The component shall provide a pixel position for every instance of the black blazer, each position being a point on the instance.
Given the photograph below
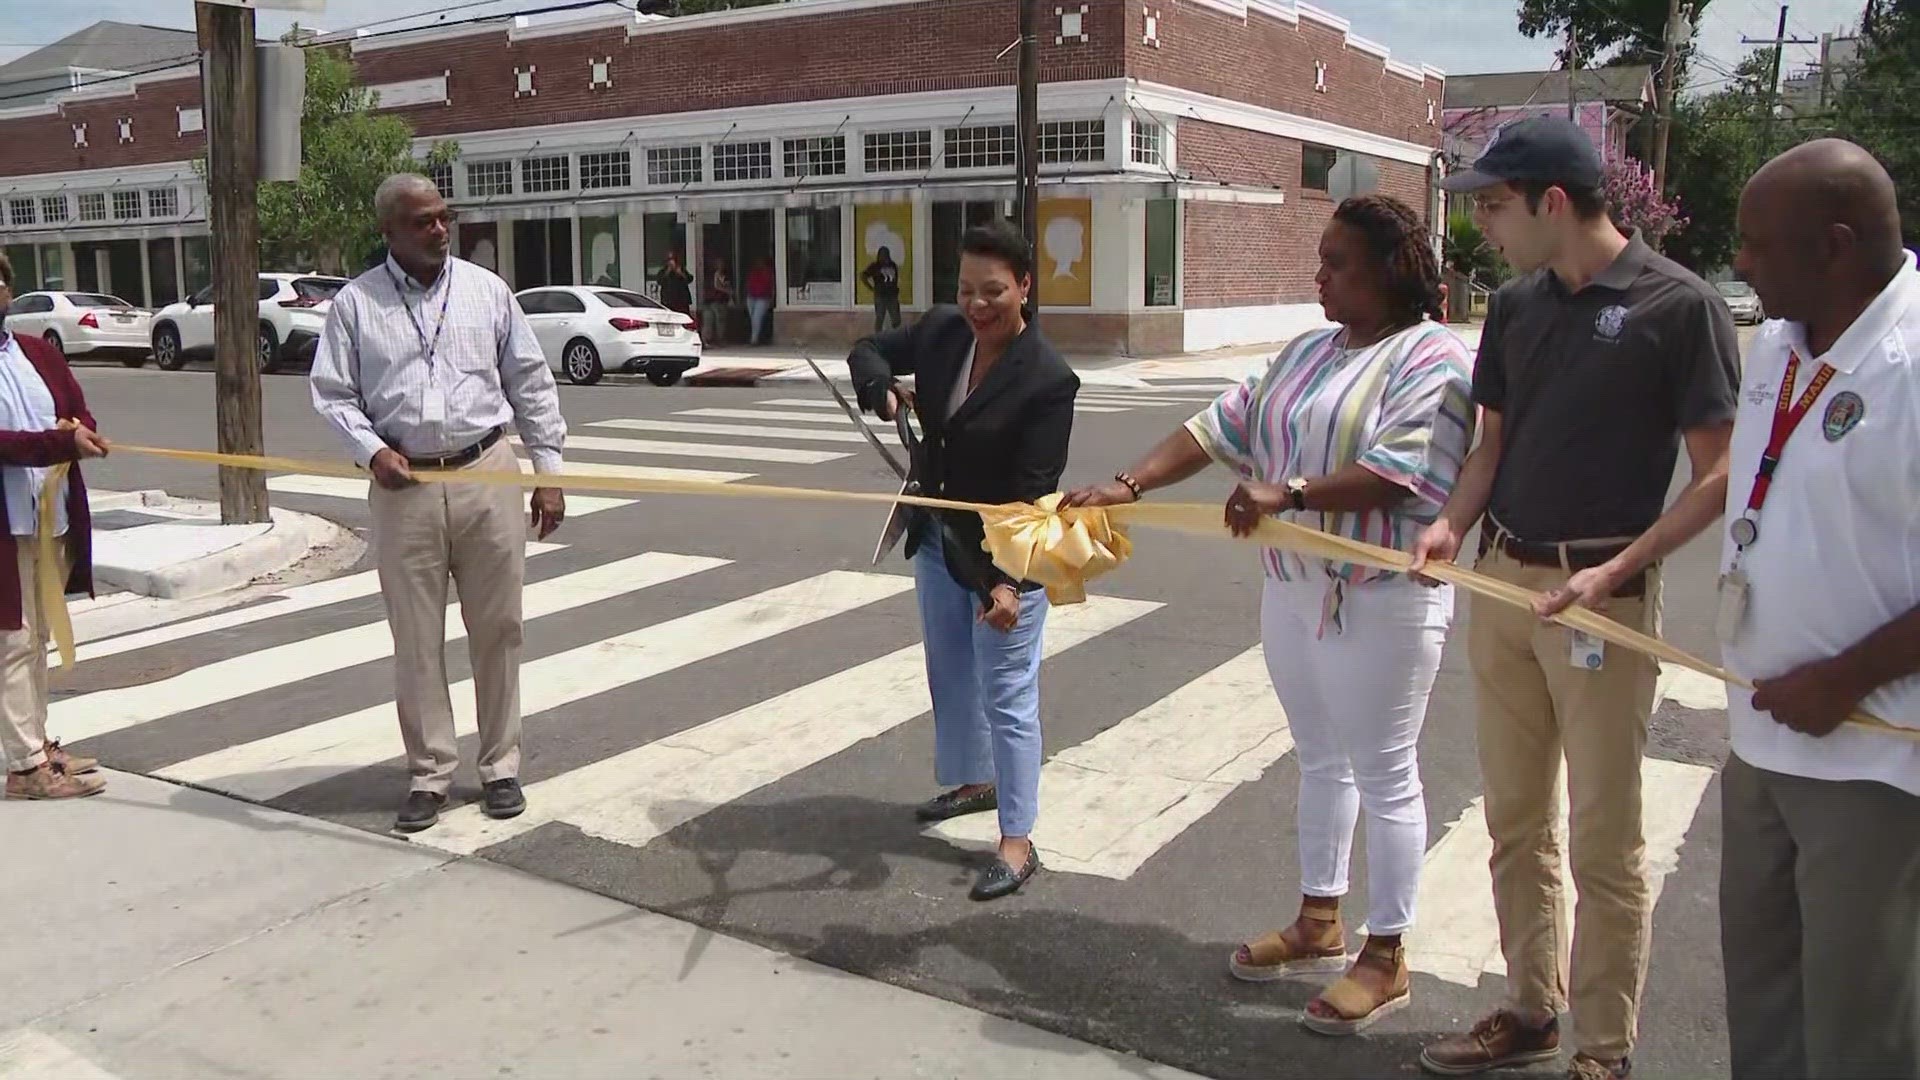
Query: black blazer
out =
(1006, 443)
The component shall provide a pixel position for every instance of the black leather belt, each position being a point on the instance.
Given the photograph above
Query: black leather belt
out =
(459, 458)
(1569, 556)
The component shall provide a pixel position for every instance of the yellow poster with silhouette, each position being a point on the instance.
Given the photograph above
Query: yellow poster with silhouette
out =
(889, 226)
(1065, 271)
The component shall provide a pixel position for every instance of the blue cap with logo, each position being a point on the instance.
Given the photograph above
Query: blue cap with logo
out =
(1548, 149)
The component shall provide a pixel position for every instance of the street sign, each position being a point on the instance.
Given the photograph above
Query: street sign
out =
(315, 6)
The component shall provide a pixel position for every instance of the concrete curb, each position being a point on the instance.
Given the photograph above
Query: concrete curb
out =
(260, 550)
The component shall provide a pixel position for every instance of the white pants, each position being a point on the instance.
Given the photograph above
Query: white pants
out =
(1355, 699)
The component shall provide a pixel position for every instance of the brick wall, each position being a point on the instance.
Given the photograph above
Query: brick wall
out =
(44, 143)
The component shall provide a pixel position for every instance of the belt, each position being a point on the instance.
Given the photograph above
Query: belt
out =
(457, 459)
(1574, 555)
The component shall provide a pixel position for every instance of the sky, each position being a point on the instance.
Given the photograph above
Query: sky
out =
(1458, 36)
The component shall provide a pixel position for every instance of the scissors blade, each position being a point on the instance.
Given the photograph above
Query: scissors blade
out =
(860, 422)
(896, 526)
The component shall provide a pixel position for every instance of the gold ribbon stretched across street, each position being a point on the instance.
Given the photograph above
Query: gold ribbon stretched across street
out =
(1029, 541)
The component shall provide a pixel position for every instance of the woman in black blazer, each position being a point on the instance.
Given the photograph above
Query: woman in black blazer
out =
(995, 403)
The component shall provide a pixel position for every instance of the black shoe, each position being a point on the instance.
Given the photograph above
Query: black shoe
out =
(503, 799)
(1000, 879)
(953, 804)
(420, 811)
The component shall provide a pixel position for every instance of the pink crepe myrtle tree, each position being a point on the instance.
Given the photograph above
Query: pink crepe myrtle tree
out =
(1637, 204)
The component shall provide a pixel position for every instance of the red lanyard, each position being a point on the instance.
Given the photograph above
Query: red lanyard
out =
(1785, 419)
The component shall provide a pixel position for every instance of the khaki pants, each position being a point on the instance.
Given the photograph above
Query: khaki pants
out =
(476, 535)
(1820, 926)
(23, 668)
(1535, 706)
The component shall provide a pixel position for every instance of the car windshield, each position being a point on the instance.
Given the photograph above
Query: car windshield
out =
(1735, 288)
(621, 298)
(94, 300)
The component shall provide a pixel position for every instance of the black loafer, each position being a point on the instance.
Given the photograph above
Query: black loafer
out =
(502, 799)
(420, 811)
(1000, 879)
(953, 804)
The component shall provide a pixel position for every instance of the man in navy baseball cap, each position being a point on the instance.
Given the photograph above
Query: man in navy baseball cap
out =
(1544, 149)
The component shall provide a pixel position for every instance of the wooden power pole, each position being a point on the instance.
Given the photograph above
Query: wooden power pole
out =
(1668, 77)
(1028, 132)
(228, 77)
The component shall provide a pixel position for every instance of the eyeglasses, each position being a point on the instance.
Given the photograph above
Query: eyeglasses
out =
(1484, 205)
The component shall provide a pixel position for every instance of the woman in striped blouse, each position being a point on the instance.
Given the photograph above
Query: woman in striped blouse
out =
(1360, 430)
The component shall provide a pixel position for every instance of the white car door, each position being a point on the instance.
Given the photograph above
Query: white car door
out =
(535, 305)
(196, 322)
(31, 315)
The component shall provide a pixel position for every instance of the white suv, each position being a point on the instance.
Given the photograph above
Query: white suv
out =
(293, 308)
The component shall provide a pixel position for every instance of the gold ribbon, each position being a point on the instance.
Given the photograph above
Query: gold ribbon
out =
(48, 579)
(1062, 550)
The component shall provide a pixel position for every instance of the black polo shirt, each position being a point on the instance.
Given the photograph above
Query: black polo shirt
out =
(1594, 389)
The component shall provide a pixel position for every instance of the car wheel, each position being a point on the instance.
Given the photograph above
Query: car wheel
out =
(166, 349)
(581, 361)
(268, 346)
(663, 378)
(53, 339)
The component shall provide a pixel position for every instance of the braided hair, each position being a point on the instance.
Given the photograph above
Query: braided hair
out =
(1397, 245)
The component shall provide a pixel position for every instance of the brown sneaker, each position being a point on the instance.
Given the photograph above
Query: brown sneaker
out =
(1500, 1041)
(1585, 1067)
(71, 764)
(48, 782)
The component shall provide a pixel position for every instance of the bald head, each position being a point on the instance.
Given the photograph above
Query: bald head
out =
(413, 217)
(1834, 182)
(1819, 230)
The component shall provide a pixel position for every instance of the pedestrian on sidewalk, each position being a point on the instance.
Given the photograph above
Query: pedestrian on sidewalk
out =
(760, 285)
(995, 401)
(43, 421)
(422, 364)
(1820, 595)
(1594, 366)
(1359, 430)
(882, 276)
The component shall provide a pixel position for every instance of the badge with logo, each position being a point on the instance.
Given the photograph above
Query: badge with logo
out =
(1843, 414)
(1612, 320)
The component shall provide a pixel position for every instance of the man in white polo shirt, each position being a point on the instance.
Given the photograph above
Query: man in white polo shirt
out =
(1820, 608)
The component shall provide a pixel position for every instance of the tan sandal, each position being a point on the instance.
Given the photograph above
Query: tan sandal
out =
(1356, 1006)
(1272, 957)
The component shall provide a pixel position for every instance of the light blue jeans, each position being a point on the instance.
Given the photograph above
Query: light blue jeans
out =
(986, 690)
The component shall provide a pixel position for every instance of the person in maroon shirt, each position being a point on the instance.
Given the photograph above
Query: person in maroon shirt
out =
(37, 767)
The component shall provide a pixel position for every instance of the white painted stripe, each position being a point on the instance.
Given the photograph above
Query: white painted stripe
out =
(633, 797)
(1084, 403)
(271, 767)
(1143, 402)
(341, 487)
(744, 431)
(1112, 802)
(776, 415)
(103, 711)
(26, 1054)
(1458, 937)
(651, 472)
(1687, 687)
(805, 403)
(727, 451)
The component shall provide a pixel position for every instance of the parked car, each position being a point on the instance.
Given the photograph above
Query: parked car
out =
(83, 324)
(588, 330)
(1743, 302)
(293, 308)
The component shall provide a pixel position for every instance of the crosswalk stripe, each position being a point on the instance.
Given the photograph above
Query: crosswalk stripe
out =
(652, 472)
(98, 713)
(1458, 938)
(1107, 402)
(745, 431)
(273, 766)
(1687, 687)
(728, 451)
(777, 415)
(633, 797)
(1110, 803)
(341, 487)
(804, 403)
(286, 602)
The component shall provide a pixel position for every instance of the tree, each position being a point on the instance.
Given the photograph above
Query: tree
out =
(1617, 32)
(1714, 148)
(324, 220)
(1878, 105)
(1637, 204)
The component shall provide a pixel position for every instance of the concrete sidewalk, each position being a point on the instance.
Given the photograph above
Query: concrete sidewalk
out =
(180, 935)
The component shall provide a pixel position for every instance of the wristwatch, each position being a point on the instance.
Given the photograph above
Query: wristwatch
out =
(1297, 492)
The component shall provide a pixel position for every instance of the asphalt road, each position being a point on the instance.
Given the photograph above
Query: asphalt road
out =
(733, 730)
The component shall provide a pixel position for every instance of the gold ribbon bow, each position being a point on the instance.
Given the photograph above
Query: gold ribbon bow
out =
(1062, 550)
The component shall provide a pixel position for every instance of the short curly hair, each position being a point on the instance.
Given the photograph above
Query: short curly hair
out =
(1397, 245)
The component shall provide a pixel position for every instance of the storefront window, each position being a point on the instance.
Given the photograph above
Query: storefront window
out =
(814, 271)
(197, 263)
(26, 269)
(164, 285)
(950, 222)
(661, 235)
(600, 251)
(1163, 252)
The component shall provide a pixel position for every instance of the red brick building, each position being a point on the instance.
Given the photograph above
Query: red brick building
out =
(1191, 151)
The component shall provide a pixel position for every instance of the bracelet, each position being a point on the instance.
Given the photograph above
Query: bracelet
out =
(1132, 484)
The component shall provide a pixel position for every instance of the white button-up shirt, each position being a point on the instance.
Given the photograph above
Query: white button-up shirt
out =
(1838, 551)
(391, 345)
(26, 405)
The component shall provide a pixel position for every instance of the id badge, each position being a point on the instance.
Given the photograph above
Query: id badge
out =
(433, 407)
(1589, 653)
(1734, 591)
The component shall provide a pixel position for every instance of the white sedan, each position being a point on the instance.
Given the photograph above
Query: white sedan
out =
(80, 323)
(588, 330)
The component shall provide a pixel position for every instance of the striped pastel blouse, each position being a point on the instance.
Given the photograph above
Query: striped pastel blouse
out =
(1401, 407)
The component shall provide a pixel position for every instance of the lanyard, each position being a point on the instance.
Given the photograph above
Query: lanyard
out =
(1787, 414)
(428, 348)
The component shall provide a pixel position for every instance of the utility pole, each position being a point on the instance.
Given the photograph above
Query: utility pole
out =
(1678, 31)
(1028, 132)
(1573, 71)
(1779, 41)
(228, 73)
